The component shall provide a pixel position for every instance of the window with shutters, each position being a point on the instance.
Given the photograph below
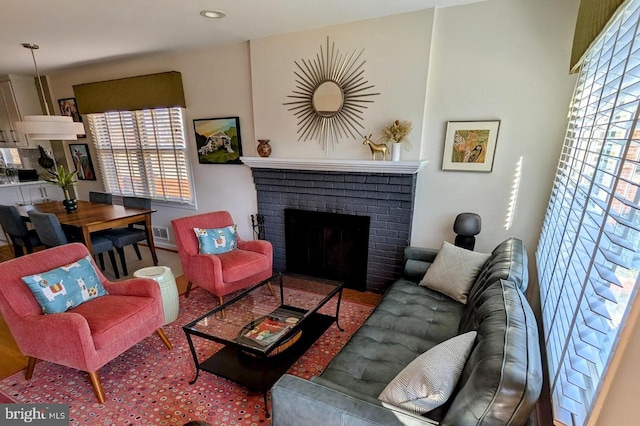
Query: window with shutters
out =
(588, 253)
(144, 154)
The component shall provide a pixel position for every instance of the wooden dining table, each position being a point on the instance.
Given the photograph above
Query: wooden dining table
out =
(92, 217)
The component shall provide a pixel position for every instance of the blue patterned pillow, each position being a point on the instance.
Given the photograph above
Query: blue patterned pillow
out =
(218, 240)
(65, 287)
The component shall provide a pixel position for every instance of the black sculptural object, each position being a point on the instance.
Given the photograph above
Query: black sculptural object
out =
(466, 227)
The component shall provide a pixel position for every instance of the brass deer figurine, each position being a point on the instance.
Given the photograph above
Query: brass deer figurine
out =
(375, 147)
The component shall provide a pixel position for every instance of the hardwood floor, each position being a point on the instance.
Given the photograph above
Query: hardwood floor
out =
(12, 358)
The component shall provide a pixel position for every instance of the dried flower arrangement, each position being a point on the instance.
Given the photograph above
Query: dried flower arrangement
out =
(397, 132)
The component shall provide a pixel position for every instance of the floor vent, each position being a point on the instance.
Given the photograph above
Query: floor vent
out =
(160, 232)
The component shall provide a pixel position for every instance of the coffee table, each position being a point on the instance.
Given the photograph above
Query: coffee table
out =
(254, 362)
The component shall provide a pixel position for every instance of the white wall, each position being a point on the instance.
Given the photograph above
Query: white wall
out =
(396, 51)
(211, 90)
(506, 60)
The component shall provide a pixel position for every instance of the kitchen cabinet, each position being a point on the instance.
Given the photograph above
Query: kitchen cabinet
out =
(18, 98)
(10, 194)
(29, 193)
(8, 137)
(35, 193)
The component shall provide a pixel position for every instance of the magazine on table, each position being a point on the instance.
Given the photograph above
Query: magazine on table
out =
(267, 331)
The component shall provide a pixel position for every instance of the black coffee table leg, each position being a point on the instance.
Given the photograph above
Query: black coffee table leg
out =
(265, 389)
(266, 407)
(338, 310)
(195, 358)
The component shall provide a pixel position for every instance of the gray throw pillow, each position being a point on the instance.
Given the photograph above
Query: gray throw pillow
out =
(453, 271)
(429, 380)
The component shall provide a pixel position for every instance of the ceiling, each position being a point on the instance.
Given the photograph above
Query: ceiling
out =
(76, 32)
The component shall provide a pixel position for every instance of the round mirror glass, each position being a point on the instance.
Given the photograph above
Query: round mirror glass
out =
(328, 99)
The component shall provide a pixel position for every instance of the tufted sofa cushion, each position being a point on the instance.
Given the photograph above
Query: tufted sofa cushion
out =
(409, 321)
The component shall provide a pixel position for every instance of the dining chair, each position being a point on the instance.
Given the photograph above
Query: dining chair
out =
(87, 335)
(131, 235)
(51, 234)
(13, 225)
(100, 197)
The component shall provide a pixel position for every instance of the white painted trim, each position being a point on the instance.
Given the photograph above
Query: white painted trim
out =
(332, 165)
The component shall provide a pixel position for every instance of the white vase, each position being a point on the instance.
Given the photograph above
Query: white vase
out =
(395, 151)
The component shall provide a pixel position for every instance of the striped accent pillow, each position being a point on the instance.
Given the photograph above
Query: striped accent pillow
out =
(429, 380)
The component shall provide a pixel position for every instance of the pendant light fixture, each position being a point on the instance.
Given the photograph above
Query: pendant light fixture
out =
(47, 127)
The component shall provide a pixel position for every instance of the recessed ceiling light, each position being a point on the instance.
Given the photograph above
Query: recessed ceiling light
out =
(213, 14)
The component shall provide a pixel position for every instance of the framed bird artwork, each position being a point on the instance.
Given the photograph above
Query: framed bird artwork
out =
(470, 145)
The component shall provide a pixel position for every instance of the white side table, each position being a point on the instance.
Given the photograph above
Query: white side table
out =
(168, 288)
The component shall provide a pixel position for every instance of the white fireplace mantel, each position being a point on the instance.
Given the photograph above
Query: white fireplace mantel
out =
(334, 165)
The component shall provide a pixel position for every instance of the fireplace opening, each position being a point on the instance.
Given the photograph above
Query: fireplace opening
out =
(328, 245)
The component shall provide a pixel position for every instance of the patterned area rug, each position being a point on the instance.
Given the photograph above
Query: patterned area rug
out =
(149, 385)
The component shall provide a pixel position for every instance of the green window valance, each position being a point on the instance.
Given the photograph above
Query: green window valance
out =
(593, 15)
(129, 94)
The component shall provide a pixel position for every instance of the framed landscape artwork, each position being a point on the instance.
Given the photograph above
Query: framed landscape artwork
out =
(69, 108)
(218, 140)
(470, 145)
(82, 161)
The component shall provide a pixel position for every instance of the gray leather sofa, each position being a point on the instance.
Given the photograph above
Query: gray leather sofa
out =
(501, 380)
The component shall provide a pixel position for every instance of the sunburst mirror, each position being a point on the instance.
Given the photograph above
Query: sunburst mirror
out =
(331, 95)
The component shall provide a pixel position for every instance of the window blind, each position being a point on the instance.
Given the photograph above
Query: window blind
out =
(143, 153)
(587, 256)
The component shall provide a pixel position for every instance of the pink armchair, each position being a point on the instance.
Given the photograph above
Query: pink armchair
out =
(224, 273)
(87, 336)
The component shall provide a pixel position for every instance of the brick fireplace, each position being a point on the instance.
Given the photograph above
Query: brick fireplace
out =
(382, 191)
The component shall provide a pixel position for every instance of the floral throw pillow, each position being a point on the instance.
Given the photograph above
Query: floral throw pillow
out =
(217, 240)
(65, 287)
